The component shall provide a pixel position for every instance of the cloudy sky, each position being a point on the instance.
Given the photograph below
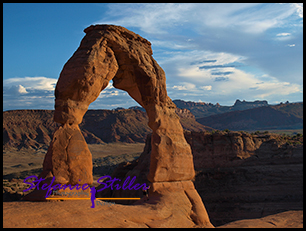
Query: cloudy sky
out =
(211, 52)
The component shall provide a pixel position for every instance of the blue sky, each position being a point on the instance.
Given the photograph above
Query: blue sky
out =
(210, 52)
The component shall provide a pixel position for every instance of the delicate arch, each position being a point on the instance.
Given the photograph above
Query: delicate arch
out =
(112, 52)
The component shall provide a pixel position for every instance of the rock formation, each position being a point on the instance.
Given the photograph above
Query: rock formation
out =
(68, 157)
(112, 52)
(107, 53)
(239, 175)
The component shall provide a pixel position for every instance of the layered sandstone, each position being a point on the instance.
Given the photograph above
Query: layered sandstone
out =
(239, 175)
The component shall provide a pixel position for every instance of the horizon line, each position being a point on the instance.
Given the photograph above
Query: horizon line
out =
(113, 109)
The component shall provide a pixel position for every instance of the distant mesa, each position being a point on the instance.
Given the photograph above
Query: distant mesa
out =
(34, 128)
(250, 104)
(282, 116)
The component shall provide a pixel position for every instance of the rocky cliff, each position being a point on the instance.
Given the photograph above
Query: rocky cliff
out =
(202, 109)
(27, 128)
(238, 175)
(34, 128)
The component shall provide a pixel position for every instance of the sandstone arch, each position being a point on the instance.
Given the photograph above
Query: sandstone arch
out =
(109, 52)
(112, 52)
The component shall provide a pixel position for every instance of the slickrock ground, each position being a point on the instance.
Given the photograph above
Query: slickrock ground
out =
(167, 210)
(78, 214)
(289, 219)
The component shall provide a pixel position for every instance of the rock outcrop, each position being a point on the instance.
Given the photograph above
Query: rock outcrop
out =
(243, 105)
(107, 53)
(239, 175)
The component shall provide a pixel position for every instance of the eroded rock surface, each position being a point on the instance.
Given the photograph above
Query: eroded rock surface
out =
(112, 52)
(239, 175)
(68, 157)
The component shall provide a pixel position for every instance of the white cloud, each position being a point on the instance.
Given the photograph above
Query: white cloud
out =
(299, 8)
(163, 18)
(275, 87)
(38, 93)
(217, 77)
(16, 90)
(207, 88)
(33, 83)
(28, 93)
(21, 89)
(185, 86)
(107, 90)
(291, 45)
(198, 67)
(149, 18)
(283, 34)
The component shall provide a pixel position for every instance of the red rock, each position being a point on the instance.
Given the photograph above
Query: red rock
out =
(68, 160)
(68, 157)
(112, 52)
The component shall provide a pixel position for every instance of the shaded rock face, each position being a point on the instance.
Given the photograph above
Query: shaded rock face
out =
(243, 176)
(238, 175)
(107, 53)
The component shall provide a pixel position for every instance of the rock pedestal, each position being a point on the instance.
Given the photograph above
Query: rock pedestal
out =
(68, 160)
(68, 157)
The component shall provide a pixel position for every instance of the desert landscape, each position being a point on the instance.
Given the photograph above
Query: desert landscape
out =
(264, 190)
(255, 183)
(205, 166)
